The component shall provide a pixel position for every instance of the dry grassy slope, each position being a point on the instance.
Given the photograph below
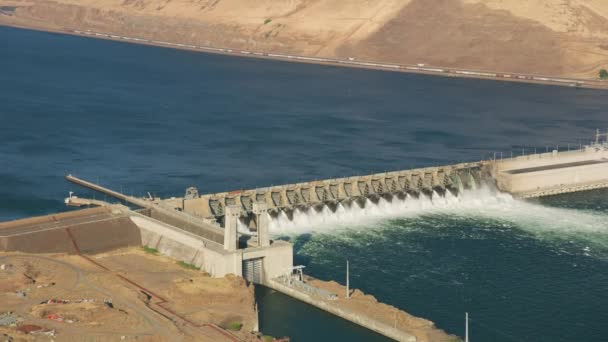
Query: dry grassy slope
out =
(582, 17)
(307, 26)
(557, 37)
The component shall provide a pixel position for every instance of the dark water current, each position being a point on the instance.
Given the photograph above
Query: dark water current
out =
(140, 118)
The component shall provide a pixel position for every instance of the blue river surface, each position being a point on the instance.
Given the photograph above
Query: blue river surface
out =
(141, 118)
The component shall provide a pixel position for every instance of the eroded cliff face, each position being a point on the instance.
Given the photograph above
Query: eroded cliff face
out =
(554, 37)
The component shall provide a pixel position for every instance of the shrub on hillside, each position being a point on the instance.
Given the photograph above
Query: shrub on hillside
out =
(234, 326)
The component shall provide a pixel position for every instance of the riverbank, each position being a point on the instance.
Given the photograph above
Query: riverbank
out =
(462, 37)
(351, 62)
(365, 310)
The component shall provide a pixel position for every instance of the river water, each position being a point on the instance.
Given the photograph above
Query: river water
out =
(139, 118)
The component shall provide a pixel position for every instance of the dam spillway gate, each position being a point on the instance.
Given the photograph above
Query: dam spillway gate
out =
(526, 176)
(433, 181)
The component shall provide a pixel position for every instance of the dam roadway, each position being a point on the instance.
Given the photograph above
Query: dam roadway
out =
(525, 176)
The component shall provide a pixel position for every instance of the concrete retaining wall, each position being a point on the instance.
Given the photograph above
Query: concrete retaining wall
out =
(180, 221)
(567, 177)
(553, 173)
(277, 258)
(364, 321)
(551, 158)
(185, 246)
(563, 189)
(208, 255)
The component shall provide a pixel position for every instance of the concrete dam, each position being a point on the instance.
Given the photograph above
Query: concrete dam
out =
(230, 232)
(525, 176)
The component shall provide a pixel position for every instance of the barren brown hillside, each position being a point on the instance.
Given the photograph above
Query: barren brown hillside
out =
(556, 37)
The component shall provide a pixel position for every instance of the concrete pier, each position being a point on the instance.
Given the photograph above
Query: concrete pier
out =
(355, 317)
(230, 228)
(96, 187)
(260, 210)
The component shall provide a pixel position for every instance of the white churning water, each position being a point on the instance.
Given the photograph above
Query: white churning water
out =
(481, 203)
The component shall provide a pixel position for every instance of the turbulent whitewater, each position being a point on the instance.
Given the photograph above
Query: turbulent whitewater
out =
(485, 203)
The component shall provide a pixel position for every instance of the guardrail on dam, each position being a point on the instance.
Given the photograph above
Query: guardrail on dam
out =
(524, 176)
